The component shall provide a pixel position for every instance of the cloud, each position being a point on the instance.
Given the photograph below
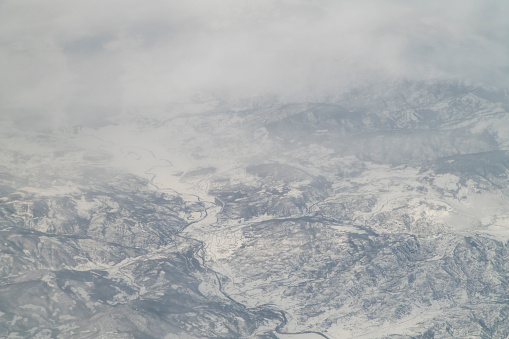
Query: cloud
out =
(86, 60)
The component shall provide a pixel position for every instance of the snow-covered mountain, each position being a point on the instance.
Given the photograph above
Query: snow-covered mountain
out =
(379, 213)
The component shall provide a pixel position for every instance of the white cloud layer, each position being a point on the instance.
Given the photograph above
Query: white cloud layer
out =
(62, 58)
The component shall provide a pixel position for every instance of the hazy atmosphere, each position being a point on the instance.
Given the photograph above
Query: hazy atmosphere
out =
(73, 61)
(266, 169)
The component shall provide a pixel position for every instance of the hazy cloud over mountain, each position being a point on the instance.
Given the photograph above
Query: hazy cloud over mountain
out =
(254, 169)
(90, 59)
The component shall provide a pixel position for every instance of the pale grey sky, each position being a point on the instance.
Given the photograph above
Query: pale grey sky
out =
(84, 59)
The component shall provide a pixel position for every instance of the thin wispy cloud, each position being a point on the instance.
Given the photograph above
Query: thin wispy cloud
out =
(91, 59)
